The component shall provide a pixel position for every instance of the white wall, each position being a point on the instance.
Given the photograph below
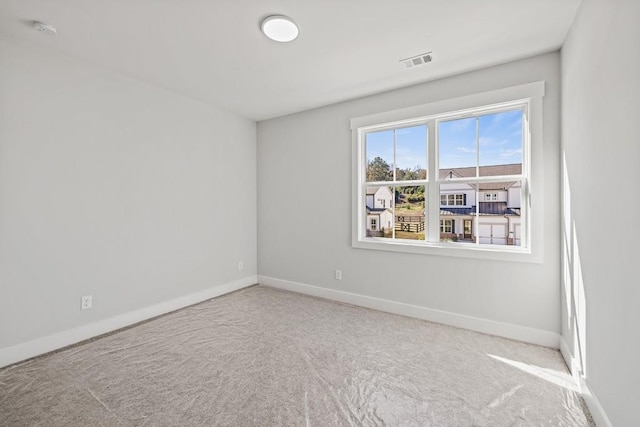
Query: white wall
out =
(601, 297)
(304, 205)
(112, 188)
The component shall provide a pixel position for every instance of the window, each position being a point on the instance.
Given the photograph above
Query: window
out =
(433, 173)
(395, 161)
(453, 199)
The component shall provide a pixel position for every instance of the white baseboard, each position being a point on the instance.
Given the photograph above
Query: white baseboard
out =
(597, 412)
(62, 339)
(492, 327)
(569, 359)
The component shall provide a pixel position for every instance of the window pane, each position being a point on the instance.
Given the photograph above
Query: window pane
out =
(379, 155)
(457, 146)
(461, 205)
(500, 142)
(411, 153)
(379, 211)
(410, 212)
(494, 220)
(499, 214)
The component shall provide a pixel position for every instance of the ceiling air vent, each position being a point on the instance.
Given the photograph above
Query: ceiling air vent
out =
(414, 61)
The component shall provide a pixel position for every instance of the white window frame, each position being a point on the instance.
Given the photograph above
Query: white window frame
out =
(443, 225)
(455, 198)
(529, 95)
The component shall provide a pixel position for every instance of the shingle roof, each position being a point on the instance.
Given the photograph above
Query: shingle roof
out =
(496, 170)
(372, 190)
(457, 211)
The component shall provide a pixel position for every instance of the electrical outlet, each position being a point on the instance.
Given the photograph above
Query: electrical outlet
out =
(240, 265)
(86, 302)
(338, 274)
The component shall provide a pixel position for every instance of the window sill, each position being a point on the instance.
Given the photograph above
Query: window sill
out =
(461, 250)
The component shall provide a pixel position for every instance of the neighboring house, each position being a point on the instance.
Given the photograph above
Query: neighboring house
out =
(379, 210)
(494, 218)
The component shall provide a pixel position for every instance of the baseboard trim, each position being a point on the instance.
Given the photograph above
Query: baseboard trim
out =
(597, 412)
(30, 349)
(492, 327)
(568, 357)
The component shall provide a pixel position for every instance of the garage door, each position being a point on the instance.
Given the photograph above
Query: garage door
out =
(493, 234)
(517, 233)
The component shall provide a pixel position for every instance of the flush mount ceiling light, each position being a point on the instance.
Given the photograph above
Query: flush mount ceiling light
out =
(49, 30)
(280, 28)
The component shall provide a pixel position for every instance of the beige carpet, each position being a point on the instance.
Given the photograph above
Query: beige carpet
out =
(263, 357)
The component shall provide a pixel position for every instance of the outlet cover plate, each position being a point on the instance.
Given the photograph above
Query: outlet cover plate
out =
(86, 302)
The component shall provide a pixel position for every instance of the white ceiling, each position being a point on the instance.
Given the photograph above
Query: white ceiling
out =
(213, 50)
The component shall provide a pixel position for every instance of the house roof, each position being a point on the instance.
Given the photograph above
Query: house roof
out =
(496, 170)
(372, 190)
(495, 185)
(376, 210)
(444, 211)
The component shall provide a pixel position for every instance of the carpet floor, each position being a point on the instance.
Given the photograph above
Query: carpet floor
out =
(264, 357)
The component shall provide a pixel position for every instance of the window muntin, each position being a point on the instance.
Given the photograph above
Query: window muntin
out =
(486, 140)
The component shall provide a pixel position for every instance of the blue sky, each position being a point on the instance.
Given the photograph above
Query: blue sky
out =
(500, 142)
(411, 150)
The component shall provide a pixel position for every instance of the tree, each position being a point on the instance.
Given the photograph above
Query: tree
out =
(378, 170)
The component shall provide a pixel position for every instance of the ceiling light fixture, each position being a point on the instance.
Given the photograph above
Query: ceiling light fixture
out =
(49, 30)
(280, 28)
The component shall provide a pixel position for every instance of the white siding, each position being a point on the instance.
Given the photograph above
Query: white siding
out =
(514, 197)
(370, 203)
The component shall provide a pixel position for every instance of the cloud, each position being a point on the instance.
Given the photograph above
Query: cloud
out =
(466, 150)
(511, 152)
